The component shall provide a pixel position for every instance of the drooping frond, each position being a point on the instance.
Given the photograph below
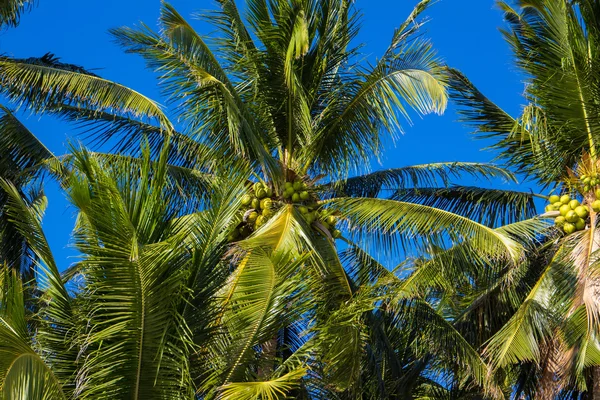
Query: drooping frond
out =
(385, 218)
(11, 11)
(424, 175)
(491, 207)
(46, 83)
(348, 132)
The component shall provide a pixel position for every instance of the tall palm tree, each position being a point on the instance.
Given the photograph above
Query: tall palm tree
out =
(552, 336)
(285, 90)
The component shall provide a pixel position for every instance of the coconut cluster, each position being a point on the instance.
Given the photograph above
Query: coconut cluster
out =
(573, 215)
(262, 203)
(589, 181)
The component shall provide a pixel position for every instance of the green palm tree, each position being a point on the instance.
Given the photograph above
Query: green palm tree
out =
(285, 93)
(546, 337)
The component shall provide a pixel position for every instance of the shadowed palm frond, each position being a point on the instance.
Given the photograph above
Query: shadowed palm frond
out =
(490, 207)
(12, 10)
(371, 185)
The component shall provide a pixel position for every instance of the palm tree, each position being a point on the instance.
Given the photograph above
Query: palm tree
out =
(547, 334)
(140, 301)
(285, 93)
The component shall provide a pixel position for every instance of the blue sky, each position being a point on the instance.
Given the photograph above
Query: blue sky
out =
(464, 32)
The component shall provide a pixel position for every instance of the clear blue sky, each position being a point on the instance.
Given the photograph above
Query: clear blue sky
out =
(465, 33)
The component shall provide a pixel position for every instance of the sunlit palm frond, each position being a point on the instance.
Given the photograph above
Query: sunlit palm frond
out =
(348, 132)
(383, 219)
(45, 83)
(269, 390)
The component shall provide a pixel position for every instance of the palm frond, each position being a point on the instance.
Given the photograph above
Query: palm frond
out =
(433, 174)
(11, 11)
(269, 390)
(490, 207)
(383, 219)
(45, 83)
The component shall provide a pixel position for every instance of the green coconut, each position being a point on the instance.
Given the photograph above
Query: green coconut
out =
(582, 211)
(569, 228)
(571, 216)
(266, 203)
(247, 199)
(574, 204)
(564, 209)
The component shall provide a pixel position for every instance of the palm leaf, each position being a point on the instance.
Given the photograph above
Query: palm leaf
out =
(45, 83)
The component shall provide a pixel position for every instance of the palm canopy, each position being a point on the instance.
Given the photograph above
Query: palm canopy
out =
(550, 333)
(287, 82)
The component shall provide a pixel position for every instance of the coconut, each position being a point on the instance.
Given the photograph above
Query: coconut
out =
(257, 186)
(569, 228)
(597, 193)
(331, 220)
(582, 211)
(549, 208)
(298, 186)
(559, 221)
(558, 205)
(573, 204)
(564, 209)
(580, 224)
(596, 205)
(553, 199)
(255, 203)
(295, 197)
(261, 193)
(303, 210)
(269, 191)
(304, 195)
(571, 216)
(336, 233)
(288, 185)
(246, 200)
(266, 203)
(565, 199)
(252, 216)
